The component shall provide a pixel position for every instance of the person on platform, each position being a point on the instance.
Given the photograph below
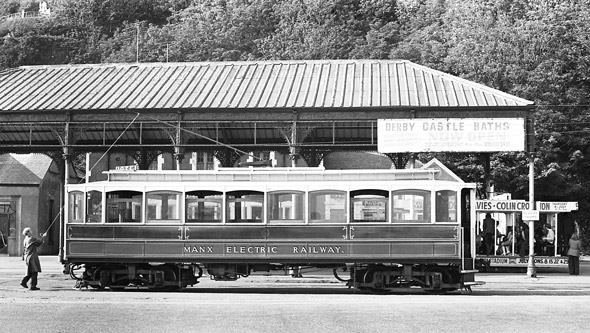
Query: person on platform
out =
(31, 258)
(548, 239)
(573, 254)
(523, 240)
(489, 229)
(507, 241)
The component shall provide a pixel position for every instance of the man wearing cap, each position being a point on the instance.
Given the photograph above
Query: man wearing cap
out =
(31, 258)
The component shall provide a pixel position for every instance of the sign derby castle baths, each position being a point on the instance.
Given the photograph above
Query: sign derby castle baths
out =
(451, 135)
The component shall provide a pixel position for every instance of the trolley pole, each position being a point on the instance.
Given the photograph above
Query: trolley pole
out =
(531, 270)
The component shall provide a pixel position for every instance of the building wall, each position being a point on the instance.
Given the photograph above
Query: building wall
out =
(49, 209)
(27, 198)
(356, 160)
(36, 207)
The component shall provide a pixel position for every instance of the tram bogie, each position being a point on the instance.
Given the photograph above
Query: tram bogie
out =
(391, 228)
(431, 278)
(136, 276)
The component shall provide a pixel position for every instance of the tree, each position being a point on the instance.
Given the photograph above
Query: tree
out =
(109, 16)
(9, 7)
(38, 42)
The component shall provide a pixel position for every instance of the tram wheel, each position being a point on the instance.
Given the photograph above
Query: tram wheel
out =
(466, 290)
(441, 291)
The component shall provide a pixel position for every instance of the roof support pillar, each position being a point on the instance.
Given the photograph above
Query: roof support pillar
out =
(294, 136)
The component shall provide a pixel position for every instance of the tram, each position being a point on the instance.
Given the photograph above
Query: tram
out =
(378, 230)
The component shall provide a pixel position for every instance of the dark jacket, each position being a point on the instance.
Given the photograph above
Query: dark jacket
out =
(575, 247)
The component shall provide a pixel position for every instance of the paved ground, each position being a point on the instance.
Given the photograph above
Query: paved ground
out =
(548, 281)
(317, 302)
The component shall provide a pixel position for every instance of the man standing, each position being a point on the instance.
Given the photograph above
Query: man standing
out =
(548, 238)
(489, 231)
(31, 258)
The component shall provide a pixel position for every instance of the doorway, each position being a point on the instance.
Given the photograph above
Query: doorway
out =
(7, 224)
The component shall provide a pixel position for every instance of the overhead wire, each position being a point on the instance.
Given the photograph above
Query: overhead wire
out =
(103, 155)
(178, 127)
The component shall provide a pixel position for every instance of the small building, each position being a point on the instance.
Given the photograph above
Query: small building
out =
(30, 196)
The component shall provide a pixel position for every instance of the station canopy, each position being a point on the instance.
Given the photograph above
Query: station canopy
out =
(324, 104)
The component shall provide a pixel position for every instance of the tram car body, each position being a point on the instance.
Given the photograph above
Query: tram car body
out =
(377, 229)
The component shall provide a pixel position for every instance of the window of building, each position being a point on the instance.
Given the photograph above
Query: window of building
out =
(245, 206)
(411, 206)
(162, 206)
(327, 206)
(94, 207)
(204, 206)
(8, 218)
(124, 206)
(76, 207)
(286, 207)
(205, 160)
(446, 206)
(369, 206)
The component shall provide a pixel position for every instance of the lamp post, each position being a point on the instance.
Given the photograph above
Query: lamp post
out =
(531, 270)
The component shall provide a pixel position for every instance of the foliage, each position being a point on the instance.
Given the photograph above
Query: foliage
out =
(108, 16)
(9, 7)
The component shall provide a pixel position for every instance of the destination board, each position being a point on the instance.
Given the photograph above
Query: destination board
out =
(502, 205)
(560, 206)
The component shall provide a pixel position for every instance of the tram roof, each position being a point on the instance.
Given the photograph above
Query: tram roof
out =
(433, 170)
(242, 85)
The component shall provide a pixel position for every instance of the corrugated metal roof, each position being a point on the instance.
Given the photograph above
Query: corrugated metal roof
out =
(242, 85)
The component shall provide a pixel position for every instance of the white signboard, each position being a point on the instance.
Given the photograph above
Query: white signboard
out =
(564, 206)
(126, 168)
(502, 205)
(530, 215)
(450, 135)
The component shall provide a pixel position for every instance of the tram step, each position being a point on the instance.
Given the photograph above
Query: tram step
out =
(469, 271)
(474, 283)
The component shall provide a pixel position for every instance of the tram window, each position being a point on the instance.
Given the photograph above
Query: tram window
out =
(285, 207)
(244, 206)
(162, 206)
(327, 207)
(446, 206)
(76, 210)
(94, 207)
(411, 206)
(369, 206)
(204, 206)
(124, 206)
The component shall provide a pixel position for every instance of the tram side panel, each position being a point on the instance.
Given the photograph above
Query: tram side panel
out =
(294, 244)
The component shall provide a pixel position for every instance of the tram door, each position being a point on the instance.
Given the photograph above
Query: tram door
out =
(466, 221)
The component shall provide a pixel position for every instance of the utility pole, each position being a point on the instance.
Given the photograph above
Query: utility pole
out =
(137, 42)
(531, 268)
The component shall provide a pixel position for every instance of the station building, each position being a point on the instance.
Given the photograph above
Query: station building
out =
(201, 116)
(30, 196)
